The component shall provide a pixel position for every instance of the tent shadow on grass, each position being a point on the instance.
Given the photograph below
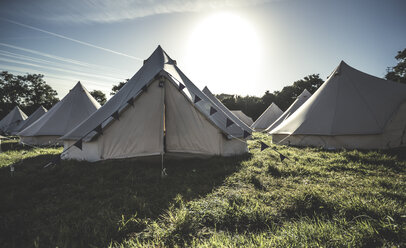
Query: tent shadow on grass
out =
(79, 204)
(14, 145)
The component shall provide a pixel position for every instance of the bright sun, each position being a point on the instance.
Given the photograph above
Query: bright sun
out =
(224, 54)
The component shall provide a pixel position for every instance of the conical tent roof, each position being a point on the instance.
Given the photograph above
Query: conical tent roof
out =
(243, 117)
(221, 106)
(76, 106)
(350, 102)
(12, 120)
(302, 98)
(158, 64)
(268, 117)
(31, 119)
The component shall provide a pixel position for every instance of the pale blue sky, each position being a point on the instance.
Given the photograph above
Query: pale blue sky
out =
(256, 46)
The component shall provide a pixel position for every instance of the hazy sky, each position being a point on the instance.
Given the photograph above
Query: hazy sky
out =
(232, 46)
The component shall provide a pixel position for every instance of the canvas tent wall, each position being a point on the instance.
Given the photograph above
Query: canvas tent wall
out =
(31, 119)
(270, 115)
(221, 106)
(159, 111)
(302, 98)
(243, 117)
(10, 122)
(351, 110)
(76, 106)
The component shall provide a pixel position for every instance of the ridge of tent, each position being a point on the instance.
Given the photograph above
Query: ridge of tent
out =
(159, 63)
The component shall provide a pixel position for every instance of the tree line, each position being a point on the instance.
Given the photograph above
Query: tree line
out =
(31, 91)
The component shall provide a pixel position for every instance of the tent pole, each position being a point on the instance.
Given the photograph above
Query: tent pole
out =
(162, 84)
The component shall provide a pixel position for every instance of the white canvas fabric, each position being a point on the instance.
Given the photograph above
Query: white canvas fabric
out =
(31, 119)
(221, 106)
(76, 106)
(350, 110)
(161, 118)
(243, 117)
(302, 98)
(10, 122)
(270, 115)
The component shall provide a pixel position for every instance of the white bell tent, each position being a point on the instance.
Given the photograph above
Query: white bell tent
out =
(75, 107)
(302, 98)
(158, 111)
(11, 121)
(267, 118)
(350, 110)
(31, 119)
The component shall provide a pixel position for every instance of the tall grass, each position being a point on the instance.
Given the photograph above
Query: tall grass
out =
(314, 198)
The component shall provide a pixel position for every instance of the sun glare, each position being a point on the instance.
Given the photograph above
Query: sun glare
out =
(224, 54)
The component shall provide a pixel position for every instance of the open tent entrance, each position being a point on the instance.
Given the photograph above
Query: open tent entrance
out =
(161, 120)
(159, 111)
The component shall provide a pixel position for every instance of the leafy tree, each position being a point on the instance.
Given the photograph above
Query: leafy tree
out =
(223, 96)
(13, 91)
(288, 94)
(397, 73)
(117, 87)
(99, 96)
(38, 93)
(28, 92)
(269, 97)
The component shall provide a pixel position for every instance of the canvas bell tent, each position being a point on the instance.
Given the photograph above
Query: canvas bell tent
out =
(31, 119)
(11, 121)
(350, 110)
(230, 114)
(243, 117)
(76, 106)
(302, 98)
(158, 111)
(267, 118)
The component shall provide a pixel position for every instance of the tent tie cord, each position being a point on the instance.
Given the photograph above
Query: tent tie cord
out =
(33, 146)
(57, 158)
(41, 147)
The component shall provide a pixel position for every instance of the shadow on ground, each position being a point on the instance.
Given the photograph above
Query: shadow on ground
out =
(81, 204)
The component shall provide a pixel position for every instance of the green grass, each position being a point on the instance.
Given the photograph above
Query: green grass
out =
(316, 198)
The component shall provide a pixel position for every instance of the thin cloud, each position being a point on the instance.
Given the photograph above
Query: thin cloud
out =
(53, 63)
(66, 60)
(71, 39)
(63, 85)
(107, 11)
(59, 69)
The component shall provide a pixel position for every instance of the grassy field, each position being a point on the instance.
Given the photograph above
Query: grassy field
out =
(317, 198)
